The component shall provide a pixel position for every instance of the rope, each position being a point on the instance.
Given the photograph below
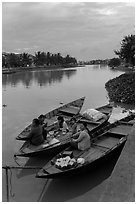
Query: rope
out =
(10, 178)
(41, 195)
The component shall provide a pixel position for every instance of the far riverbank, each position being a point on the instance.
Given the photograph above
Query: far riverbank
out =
(34, 68)
(123, 68)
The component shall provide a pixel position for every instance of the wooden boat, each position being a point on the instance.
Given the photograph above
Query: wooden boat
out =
(68, 110)
(103, 147)
(127, 120)
(62, 140)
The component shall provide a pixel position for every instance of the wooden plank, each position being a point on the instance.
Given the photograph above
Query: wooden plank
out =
(107, 142)
(70, 109)
(92, 126)
(93, 155)
(77, 153)
(51, 120)
(121, 129)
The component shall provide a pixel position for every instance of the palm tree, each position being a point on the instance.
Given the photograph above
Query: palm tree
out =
(39, 58)
(25, 59)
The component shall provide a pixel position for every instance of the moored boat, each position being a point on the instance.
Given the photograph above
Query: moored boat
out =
(68, 110)
(71, 162)
(61, 140)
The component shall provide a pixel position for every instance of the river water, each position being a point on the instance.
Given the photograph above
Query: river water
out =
(26, 95)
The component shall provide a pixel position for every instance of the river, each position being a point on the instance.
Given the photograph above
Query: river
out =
(26, 95)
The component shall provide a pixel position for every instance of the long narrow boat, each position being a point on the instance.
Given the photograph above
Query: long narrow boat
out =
(68, 110)
(103, 147)
(62, 140)
(126, 120)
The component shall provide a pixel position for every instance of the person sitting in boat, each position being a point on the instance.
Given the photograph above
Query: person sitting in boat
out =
(73, 126)
(41, 119)
(35, 136)
(62, 125)
(86, 127)
(83, 140)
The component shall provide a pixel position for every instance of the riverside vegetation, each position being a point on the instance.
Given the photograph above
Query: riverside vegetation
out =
(122, 88)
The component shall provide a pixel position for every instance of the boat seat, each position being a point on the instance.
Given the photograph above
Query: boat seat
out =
(121, 129)
(93, 153)
(51, 121)
(73, 110)
(107, 142)
(91, 126)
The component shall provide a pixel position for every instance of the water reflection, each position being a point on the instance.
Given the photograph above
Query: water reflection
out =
(33, 162)
(100, 66)
(40, 78)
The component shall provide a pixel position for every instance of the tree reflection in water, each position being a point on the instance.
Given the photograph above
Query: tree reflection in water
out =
(42, 78)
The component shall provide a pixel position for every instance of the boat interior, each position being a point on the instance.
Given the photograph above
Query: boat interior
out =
(99, 147)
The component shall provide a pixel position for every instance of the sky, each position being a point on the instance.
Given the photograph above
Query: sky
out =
(84, 30)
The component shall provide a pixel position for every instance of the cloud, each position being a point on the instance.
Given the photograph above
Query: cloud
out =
(107, 12)
(65, 27)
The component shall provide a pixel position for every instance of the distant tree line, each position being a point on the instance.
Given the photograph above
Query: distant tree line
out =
(114, 62)
(92, 62)
(126, 54)
(39, 59)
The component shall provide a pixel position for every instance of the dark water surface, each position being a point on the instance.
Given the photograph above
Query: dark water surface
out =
(29, 94)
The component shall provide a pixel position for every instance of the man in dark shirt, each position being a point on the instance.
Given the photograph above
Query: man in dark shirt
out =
(35, 136)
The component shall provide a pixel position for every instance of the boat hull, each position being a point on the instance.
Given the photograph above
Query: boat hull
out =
(47, 151)
(86, 168)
